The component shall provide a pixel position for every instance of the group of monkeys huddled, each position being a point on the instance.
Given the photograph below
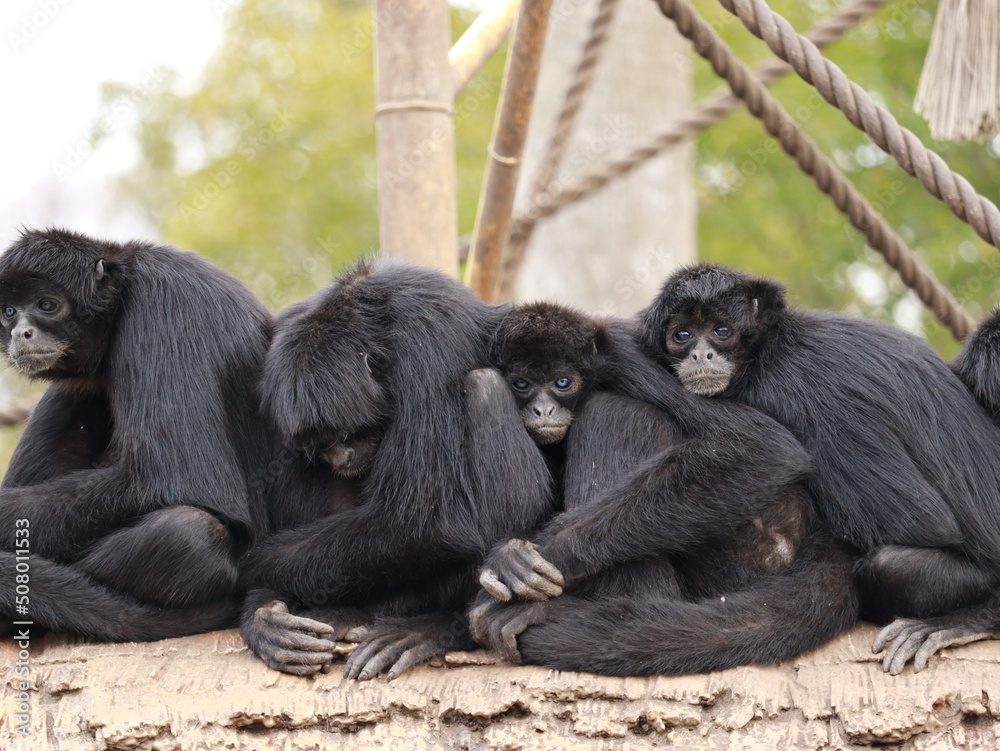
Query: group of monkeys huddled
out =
(718, 481)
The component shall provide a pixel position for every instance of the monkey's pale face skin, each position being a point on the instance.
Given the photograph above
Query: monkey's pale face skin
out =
(697, 352)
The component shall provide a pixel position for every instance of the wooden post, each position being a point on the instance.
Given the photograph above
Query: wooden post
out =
(510, 131)
(415, 132)
(481, 40)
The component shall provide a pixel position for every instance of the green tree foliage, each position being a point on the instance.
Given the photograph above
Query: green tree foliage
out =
(268, 167)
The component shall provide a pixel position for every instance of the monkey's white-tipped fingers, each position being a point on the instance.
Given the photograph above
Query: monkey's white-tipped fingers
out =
(889, 633)
(489, 581)
(950, 637)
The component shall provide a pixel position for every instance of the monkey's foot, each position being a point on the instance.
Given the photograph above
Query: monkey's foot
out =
(907, 638)
(497, 625)
(395, 645)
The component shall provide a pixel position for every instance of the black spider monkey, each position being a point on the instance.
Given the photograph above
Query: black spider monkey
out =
(133, 489)
(401, 351)
(891, 431)
(687, 543)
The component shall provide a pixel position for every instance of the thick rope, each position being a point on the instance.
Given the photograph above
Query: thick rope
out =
(815, 163)
(875, 121)
(550, 198)
(582, 80)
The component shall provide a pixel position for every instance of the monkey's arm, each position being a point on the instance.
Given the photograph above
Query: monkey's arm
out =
(684, 496)
(68, 513)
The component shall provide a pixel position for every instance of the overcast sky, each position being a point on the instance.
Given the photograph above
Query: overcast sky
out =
(54, 55)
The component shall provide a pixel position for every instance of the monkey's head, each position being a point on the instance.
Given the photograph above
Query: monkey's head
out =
(551, 356)
(324, 381)
(59, 295)
(708, 322)
(351, 455)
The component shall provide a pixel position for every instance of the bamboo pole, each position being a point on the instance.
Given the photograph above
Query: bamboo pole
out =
(481, 40)
(510, 131)
(415, 132)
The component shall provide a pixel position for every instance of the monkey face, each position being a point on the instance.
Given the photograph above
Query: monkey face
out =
(546, 401)
(40, 329)
(701, 352)
(351, 455)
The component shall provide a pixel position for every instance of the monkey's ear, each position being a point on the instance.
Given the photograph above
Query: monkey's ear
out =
(99, 269)
(766, 300)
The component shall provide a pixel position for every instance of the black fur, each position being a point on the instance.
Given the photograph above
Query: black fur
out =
(906, 467)
(681, 528)
(137, 472)
(401, 349)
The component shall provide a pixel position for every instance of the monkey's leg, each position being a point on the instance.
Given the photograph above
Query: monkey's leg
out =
(896, 581)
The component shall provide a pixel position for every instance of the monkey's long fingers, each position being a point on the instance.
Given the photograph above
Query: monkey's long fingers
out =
(534, 587)
(888, 634)
(413, 657)
(479, 622)
(372, 658)
(507, 643)
(952, 637)
(541, 566)
(285, 620)
(489, 581)
(901, 650)
(300, 670)
(299, 640)
(296, 662)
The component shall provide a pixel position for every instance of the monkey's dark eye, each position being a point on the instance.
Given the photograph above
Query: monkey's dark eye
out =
(9, 311)
(47, 305)
(563, 383)
(681, 335)
(520, 384)
(723, 331)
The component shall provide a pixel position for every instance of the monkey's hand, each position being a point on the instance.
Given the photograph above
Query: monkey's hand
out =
(497, 625)
(907, 638)
(348, 624)
(399, 644)
(290, 643)
(517, 568)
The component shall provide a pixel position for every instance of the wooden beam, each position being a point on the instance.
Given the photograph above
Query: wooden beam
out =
(510, 131)
(481, 40)
(415, 132)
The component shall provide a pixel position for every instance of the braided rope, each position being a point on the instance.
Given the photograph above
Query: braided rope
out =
(582, 80)
(876, 122)
(815, 163)
(550, 198)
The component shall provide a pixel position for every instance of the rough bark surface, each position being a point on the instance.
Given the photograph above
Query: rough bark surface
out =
(207, 692)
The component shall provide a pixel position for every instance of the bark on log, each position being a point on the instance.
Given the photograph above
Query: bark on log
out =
(207, 692)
